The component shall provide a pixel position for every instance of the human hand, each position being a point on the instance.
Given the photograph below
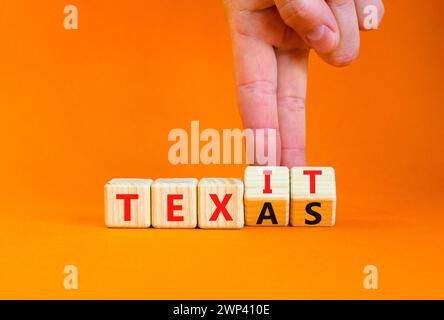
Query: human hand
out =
(271, 42)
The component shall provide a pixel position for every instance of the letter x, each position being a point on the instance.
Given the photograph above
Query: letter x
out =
(221, 207)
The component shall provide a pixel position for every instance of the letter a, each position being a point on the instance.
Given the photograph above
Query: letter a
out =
(371, 18)
(178, 152)
(71, 281)
(371, 278)
(71, 21)
(262, 216)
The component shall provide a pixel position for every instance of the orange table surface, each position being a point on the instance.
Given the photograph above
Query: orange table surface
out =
(404, 240)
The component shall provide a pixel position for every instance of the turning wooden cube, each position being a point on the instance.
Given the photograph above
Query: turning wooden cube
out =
(221, 203)
(313, 196)
(267, 196)
(127, 203)
(174, 203)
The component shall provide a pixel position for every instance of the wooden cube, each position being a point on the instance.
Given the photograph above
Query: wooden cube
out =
(267, 196)
(313, 196)
(221, 204)
(127, 203)
(174, 203)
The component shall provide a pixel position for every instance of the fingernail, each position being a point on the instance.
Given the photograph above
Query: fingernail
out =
(321, 38)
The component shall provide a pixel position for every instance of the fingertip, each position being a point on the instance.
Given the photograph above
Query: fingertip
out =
(293, 158)
(322, 39)
(342, 58)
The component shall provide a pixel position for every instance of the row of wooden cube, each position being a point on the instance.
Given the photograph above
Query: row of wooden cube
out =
(269, 196)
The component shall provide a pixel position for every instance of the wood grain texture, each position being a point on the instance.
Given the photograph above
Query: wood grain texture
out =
(185, 206)
(256, 199)
(139, 208)
(220, 188)
(321, 199)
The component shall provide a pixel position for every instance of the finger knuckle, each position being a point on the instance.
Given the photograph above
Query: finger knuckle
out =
(257, 87)
(340, 4)
(294, 9)
(292, 104)
(258, 95)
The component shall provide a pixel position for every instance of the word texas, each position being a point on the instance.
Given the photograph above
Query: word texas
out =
(268, 196)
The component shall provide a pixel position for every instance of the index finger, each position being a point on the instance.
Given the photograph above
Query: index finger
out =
(256, 78)
(292, 91)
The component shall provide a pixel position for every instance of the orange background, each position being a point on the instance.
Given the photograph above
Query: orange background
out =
(80, 107)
